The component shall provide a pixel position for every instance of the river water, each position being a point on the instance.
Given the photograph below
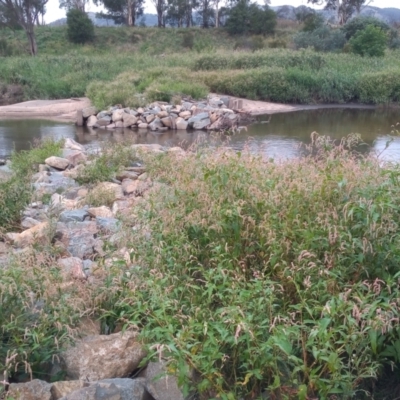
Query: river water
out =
(278, 136)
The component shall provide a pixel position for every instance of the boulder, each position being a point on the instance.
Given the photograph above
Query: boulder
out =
(103, 356)
(129, 120)
(88, 111)
(29, 222)
(150, 118)
(63, 388)
(73, 267)
(103, 122)
(181, 124)
(91, 121)
(117, 115)
(130, 186)
(185, 114)
(79, 118)
(74, 157)
(202, 124)
(102, 211)
(119, 124)
(111, 389)
(143, 125)
(57, 162)
(159, 384)
(53, 182)
(127, 175)
(203, 116)
(37, 234)
(169, 122)
(73, 145)
(33, 390)
(156, 125)
(77, 237)
(74, 215)
(162, 114)
(111, 126)
(4, 248)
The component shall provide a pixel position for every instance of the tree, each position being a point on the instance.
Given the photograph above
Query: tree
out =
(371, 41)
(80, 28)
(344, 8)
(179, 12)
(23, 13)
(360, 23)
(122, 11)
(246, 17)
(161, 8)
(74, 4)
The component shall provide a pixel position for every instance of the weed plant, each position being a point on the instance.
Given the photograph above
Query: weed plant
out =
(264, 277)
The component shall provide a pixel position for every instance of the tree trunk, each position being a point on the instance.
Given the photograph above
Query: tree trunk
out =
(32, 41)
(130, 19)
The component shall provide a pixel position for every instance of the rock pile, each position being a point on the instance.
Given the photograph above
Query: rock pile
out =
(98, 366)
(215, 114)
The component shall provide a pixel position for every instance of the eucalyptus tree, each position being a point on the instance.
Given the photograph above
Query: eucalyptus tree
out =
(122, 11)
(24, 14)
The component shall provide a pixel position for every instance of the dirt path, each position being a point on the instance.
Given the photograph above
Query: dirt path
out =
(63, 110)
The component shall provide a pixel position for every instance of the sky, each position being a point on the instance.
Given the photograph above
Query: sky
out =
(54, 12)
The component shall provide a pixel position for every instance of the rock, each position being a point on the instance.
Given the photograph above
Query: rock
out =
(77, 237)
(203, 124)
(169, 122)
(216, 102)
(79, 118)
(75, 157)
(33, 390)
(103, 114)
(123, 207)
(103, 356)
(74, 215)
(127, 175)
(162, 114)
(150, 118)
(37, 234)
(112, 389)
(53, 182)
(88, 266)
(73, 145)
(111, 126)
(107, 225)
(73, 267)
(129, 120)
(143, 177)
(140, 110)
(156, 125)
(91, 121)
(88, 111)
(177, 150)
(102, 211)
(117, 115)
(119, 124)
(160, 385)
(185, 114)
(112, 191)
(57, 162)
(143, 125)
(63, 388)
(181, 124)
(130, 186)
(2, 161)
(29, 222)
(103, 122)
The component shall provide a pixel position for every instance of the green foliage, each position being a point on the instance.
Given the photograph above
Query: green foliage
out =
(312, 22)
(370, 41)
(80, 27)
(105, 165)
(321, 38)
(267, 277)
(246, 17)
(16, 192)
(187, 40)
(5, 48)
(360, 23)
(251, 43)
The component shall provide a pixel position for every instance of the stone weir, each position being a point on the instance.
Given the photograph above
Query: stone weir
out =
(214, 114)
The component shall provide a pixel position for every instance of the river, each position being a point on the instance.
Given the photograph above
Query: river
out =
(277, 136)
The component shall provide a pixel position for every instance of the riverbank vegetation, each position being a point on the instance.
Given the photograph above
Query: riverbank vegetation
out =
(250, 277)
(136, 65)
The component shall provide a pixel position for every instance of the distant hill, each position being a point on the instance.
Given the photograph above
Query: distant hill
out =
(146, 19)
(389, 15)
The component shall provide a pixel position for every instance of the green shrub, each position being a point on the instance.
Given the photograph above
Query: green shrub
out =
(312, 22)
(187, 40)
(370, 41)
(80, 27)
(5, 48)
(358, 24)
(321, 39)
(252, 43)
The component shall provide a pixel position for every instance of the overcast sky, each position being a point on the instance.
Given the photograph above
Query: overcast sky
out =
(53, 11)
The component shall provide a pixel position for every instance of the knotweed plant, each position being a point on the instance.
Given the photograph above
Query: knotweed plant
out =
(266, 278)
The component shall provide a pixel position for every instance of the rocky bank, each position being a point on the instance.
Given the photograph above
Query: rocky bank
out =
(96, 367)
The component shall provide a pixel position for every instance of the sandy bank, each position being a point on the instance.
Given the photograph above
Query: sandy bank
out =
(63, 110)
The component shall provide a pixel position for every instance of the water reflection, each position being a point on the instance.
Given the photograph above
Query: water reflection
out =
(280, 138)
